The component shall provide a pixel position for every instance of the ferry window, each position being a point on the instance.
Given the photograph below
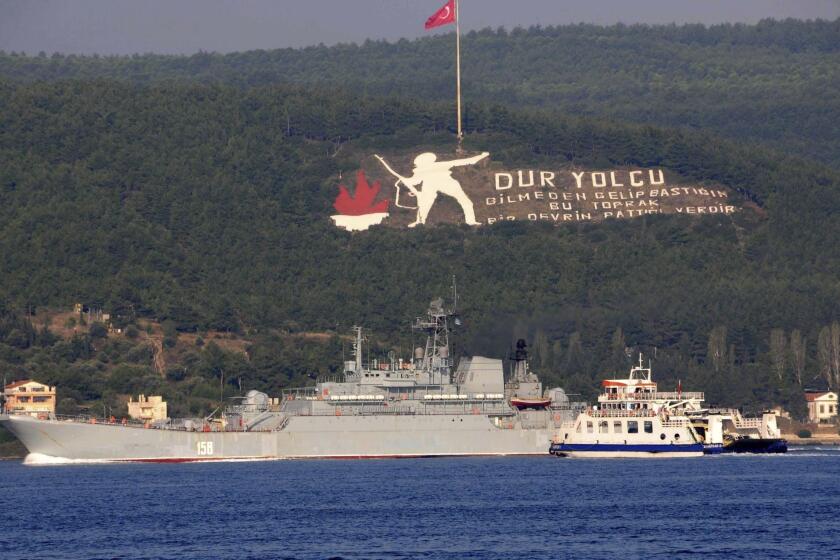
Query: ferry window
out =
(589, 428)
(632, 427)
(603, 427)
(617, 427)
(648, 427)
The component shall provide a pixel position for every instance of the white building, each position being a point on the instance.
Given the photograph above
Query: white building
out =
(29, 397)
(147, 409)
(822, 407)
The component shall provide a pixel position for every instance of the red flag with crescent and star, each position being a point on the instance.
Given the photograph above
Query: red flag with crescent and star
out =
(443, 16)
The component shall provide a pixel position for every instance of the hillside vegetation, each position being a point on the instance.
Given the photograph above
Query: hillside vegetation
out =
(206, 208)
(773, 83)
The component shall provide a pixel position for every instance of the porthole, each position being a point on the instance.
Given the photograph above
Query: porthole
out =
(676, 436)
(662, 436)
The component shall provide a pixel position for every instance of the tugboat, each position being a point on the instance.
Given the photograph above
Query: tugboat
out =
(632, 419)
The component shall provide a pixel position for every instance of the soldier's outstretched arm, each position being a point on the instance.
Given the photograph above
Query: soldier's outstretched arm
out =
(469, 161)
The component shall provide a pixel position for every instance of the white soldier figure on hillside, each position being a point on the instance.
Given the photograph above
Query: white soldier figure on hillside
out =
(436, 177)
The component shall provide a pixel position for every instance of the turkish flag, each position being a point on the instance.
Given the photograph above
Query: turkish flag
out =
(443, 16)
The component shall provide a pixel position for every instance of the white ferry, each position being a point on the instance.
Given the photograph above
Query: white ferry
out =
(632, 419)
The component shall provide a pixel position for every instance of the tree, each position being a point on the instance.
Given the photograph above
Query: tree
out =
(574, 354)
(618, 349)
(778, 353)
(717, 348)
(98, 330)
(828, 348)
(541, 350)
(798, 353)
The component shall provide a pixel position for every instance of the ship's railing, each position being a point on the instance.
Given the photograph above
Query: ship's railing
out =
(607, 413)
(666, 396)
(247, 408)
(197, 426)
(104, 421)
(299, 392)
(349, 408)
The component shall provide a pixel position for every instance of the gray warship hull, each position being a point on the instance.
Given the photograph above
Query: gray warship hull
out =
(56, 441)
(386, 408)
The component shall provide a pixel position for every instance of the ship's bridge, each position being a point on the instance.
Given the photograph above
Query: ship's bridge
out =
(627, 389)
(639, 386)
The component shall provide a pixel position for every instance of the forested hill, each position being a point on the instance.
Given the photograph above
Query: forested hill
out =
(207, 207)
(773, 83)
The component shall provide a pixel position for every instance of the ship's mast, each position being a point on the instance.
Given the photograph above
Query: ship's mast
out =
(436, 356)
(357, 348)
(520, 363)
(645, 372)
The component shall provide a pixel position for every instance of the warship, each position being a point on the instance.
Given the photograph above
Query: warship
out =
(424, 406)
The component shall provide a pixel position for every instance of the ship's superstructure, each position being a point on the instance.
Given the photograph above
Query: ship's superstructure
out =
(388, 407)
(632, 419)
(524, 390)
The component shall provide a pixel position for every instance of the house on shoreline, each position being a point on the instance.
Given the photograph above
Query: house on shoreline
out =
(822, 406)
(29, 397)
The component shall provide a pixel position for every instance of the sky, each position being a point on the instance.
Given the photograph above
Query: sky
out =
(188, 26)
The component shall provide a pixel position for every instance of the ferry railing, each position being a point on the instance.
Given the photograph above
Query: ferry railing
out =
(668, 395)
(642, 413)
(749, 423)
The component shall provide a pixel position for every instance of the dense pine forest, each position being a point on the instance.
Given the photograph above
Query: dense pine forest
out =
(773, 83)
(200, 209)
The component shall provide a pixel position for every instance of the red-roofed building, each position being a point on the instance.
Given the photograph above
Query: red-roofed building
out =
(822, 406)
(29, 397)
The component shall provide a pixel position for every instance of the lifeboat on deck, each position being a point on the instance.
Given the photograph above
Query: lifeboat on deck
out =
(523, 403)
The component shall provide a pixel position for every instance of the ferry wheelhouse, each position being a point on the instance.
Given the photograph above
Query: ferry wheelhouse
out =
(632, 419)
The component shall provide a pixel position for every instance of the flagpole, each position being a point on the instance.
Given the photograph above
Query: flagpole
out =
(458, 70)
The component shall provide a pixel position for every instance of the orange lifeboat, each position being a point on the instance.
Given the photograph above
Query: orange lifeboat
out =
(523, 403)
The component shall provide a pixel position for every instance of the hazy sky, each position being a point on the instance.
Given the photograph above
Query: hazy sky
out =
(187, 26)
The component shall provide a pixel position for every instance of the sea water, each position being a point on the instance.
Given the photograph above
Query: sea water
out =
(542, 507)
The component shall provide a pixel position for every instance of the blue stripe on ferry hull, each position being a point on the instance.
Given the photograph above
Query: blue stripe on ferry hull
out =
(632, 448)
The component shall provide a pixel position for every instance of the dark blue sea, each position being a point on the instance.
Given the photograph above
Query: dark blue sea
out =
(714, 507)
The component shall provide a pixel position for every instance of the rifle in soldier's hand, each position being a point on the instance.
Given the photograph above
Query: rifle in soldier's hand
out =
(400, 178)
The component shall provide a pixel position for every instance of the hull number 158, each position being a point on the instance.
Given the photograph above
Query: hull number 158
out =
(205, 447)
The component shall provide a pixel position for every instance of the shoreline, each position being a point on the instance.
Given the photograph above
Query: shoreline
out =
(795, 440)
